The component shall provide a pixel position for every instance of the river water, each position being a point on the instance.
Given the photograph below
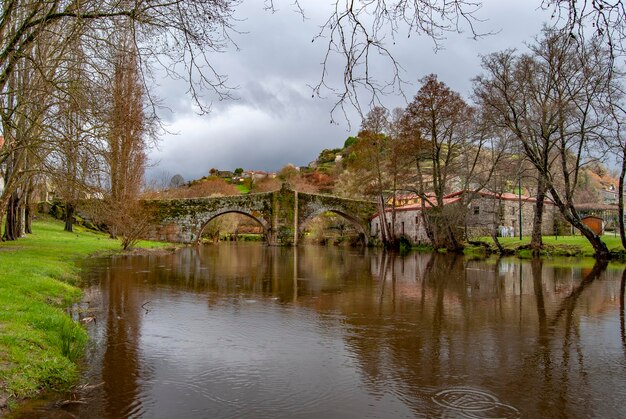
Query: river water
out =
(245, 330)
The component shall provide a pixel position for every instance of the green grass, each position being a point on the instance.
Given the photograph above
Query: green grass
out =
(39, 343)
(556, 245)
(244, 189)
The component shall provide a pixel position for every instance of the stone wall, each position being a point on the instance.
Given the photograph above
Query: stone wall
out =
(409, 224)
(486, 213)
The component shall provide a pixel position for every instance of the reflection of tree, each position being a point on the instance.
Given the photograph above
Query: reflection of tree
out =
(459, 323)
(622, 290)
(121, 368)
(555, 390)
(569, 303)
(545, 356)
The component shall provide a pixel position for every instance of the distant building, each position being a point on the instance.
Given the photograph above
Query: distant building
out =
(258, 174)
(485, 212)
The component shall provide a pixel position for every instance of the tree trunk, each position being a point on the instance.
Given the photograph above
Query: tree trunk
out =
(28, 211)
(21, 221)
(11, 225)
(494, 237)
(428, 228)
(69, 217)
(569, 213)
(386, 234)
(620, 201)
(452, 242)
(536, 242)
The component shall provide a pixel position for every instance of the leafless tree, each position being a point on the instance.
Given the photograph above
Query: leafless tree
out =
(34, 40)
(72, 146)
(359, 32)
(126, 131)
(23, 110)
(553, 101)
(600, 19)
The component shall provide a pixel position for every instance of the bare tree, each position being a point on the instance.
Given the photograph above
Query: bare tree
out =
(514, 93)
(72, 147)
(23, 110)
(553, 101)
(600, 19)
(360, 32)
(184, 31)
(127, 128)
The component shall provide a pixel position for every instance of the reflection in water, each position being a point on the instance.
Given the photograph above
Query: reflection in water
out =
(254, 331)
(622, 290)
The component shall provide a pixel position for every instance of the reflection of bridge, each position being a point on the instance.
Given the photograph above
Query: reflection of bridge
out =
(283, 214)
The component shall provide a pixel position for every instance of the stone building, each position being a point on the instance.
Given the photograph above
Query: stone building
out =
(484, 212)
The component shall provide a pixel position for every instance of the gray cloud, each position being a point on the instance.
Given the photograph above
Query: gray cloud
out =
(275, 121)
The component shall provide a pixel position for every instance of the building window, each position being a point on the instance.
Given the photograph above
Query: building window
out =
(512, 210)
(402, 227)
(476, 210)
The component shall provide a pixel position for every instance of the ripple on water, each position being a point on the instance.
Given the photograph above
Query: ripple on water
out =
(474, 403)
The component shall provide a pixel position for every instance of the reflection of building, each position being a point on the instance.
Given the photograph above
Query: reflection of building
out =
(484, 212)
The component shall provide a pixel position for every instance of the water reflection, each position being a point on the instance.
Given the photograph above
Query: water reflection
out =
(247, 330)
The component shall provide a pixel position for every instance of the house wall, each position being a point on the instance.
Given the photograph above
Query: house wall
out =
(481, 216)
(408, 224)
(506, 212)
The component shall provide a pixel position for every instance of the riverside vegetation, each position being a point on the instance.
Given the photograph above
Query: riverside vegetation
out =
(577, 246)
(39, 343)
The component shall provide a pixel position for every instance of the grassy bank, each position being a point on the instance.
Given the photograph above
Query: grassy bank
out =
(39, 343)
(553, 245)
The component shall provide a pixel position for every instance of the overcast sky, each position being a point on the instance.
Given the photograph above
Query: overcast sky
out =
(275, 120)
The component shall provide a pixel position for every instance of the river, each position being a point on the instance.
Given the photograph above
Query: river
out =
(246, 330)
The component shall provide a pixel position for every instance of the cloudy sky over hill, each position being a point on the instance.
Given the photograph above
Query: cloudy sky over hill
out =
(274, 120)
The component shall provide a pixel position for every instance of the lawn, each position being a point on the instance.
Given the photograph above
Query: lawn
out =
(39, 343)
(243, 189)
(559, 245)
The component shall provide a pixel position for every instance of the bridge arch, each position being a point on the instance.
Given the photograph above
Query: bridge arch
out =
(281, 213)
(208, 217)
(354, 220)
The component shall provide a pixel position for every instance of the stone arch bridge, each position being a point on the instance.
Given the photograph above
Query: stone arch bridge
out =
(283, 214)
